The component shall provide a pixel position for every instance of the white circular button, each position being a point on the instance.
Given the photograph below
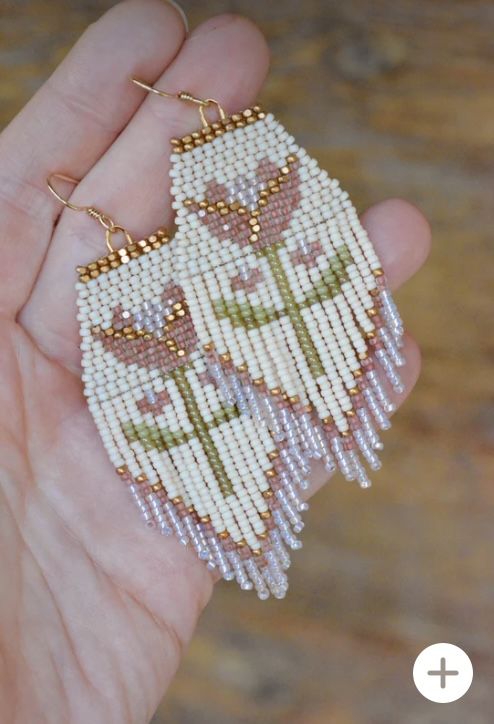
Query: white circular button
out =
(443, 673)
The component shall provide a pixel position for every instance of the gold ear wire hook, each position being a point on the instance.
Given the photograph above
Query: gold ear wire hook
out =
(185, 96)
(70, 180)
(106, 221)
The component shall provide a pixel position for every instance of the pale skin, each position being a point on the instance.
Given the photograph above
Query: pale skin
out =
(96, 609)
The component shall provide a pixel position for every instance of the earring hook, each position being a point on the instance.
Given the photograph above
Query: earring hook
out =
(57, 195)
(106, 221)
(185, 96)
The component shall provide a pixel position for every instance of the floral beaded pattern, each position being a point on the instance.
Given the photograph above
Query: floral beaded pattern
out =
(264, 336)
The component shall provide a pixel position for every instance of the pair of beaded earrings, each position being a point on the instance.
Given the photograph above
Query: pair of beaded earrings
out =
(218, 364)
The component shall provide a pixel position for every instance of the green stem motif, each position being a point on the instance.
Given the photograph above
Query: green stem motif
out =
(201, 430)
(293, 311)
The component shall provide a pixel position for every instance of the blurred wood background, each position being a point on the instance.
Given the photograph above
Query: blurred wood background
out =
(395, 97)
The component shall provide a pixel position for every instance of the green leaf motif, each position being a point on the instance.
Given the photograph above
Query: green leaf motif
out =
(254, 316)
(161, 439)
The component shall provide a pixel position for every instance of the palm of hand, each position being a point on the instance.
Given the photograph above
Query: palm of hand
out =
(97, 608)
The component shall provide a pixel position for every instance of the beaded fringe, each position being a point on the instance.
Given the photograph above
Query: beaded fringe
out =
(218, 366)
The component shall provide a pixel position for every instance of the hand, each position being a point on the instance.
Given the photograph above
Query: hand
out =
(95, 608)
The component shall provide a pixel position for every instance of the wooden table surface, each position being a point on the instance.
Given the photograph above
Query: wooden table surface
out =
(395, 97)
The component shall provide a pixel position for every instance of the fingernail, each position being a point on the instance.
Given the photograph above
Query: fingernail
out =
(180, 10)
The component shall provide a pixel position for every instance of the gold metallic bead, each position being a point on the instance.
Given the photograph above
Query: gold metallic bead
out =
(265, 515)
(372, 312)
(224, 535)
(256, 552)
(241, 544)
(225, 357)
(273, 454)
(205, 519)
(258, 382)
(294, 400)
(203, 204)
(122, 470)
(242, 368)
(378, 272)
(177, 500)
(208, 347)
(347, 433)
(275, 391)
(141, 478)
(358, 373)
(353, 391)
(363, 355)
(262, 202)
(291, 159)
(268, 494)
(241, 210)
(263, 536)
(210, 209)
(177, 305)
(370, 335)
(327, 420)
(156, 487)
(224, 211)
(220, 204)
(253, 238)
(350, 413)
(181, 353)
(188, 202)
(271, 473)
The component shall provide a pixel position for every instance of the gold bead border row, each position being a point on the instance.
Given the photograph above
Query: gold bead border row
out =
(218, 128)
(122, 256)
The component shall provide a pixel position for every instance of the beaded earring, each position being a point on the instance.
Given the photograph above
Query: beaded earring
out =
(217, 366)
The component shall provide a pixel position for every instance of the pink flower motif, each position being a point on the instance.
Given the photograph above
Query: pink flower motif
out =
(158, 336)
(307, 255)
(153, 402)
(273, 218)
(247, 280)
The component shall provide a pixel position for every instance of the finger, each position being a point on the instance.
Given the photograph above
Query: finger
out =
(409, 374)
(226, 58)
(402, 237)
(70, 122)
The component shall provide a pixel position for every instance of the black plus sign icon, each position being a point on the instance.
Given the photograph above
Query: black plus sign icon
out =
(443, 673)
